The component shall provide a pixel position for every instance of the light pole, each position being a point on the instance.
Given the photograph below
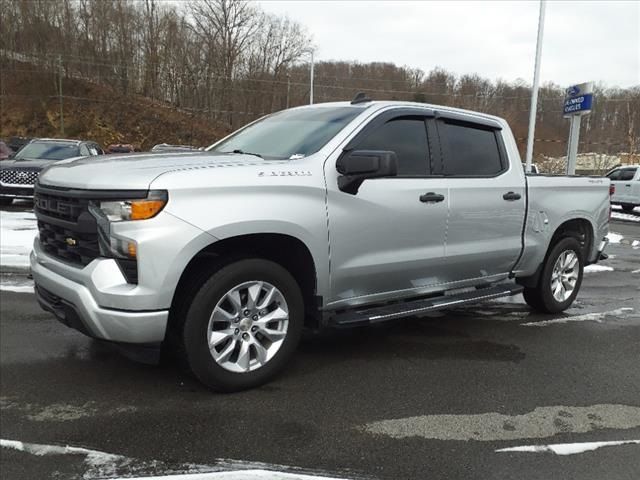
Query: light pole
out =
(311, 80)
(534, 93)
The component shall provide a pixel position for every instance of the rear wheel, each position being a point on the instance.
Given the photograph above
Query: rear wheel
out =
(560, 278)
(243, 325)
(627, 207)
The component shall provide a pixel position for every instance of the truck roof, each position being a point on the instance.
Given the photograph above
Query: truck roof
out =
(380, 104)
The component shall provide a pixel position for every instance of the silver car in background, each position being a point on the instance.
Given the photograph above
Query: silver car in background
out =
(626, 187)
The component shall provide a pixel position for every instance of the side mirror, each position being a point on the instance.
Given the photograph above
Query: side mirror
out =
(356, 166)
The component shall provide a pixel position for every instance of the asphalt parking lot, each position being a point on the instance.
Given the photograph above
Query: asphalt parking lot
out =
(429, 398)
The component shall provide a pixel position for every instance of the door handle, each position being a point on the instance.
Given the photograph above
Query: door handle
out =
(431, 197)
(511, 196)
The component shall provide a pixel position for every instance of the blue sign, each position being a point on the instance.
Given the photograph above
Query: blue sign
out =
(578, 99)
(578, 104)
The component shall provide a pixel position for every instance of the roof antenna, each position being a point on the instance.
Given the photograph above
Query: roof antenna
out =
(360, 97)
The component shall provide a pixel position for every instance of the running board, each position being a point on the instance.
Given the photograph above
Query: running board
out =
(367, 316)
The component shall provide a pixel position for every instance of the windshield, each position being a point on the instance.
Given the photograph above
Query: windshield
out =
(48, 151)
(291, 133)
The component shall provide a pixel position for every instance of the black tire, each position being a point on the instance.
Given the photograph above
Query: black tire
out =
(627, 207)
(541, 297)
(196, 321)
(5, 202)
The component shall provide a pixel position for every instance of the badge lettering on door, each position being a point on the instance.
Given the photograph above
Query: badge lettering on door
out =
(286, 173)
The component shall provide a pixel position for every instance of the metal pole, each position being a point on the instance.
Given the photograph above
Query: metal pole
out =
(60, 94)
(311, 82)
(534, 93)
(288, 88)
(572, 149)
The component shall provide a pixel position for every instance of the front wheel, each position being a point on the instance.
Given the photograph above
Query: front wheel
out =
(243, 325)
(560, 278)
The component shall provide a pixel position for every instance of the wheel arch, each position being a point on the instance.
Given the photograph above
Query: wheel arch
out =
(288, 251)
(580, 228)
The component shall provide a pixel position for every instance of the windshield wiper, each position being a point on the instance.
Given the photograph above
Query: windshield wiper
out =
(237, 150)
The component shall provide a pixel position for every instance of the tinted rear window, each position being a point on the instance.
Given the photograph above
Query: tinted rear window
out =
(627, 174)
(469, 150)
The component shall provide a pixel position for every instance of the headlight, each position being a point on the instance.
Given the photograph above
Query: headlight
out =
(137, 209)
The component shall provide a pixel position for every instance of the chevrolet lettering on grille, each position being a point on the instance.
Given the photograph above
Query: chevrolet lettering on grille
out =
(56, 206)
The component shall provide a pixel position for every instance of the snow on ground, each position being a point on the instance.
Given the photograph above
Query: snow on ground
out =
(17, 231)
(618, 214)
(597, 317)
(597, 268)
(102, 465)
(614, 237)
(627, 217)
(567, 448)
(16, 284)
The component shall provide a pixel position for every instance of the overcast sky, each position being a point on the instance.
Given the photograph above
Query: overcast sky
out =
(583, 40)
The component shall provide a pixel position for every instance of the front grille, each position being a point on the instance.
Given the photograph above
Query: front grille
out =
(67, 230)
(19, 176)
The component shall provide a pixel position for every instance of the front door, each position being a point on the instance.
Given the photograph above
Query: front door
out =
(385, 242)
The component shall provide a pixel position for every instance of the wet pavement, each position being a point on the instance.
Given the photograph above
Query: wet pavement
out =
(430, 398)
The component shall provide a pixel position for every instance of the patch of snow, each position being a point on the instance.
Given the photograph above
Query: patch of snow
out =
(17, 231)
(106, 465)
(237, 475)
(99, 463)
(598, 317)
(567, 448)
(597, 268)
(17, 288)
(618, 214)
(24, 285)
(614, 237)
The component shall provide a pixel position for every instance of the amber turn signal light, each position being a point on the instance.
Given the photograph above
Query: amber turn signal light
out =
(143, 209)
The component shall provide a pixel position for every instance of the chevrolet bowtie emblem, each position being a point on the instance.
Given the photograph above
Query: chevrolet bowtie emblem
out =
(72, 242)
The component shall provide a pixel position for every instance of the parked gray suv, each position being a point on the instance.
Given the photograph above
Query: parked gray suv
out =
(332, 215)
(19, 174)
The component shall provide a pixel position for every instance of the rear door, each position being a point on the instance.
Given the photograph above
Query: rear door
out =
(387, 241)
(487, 201)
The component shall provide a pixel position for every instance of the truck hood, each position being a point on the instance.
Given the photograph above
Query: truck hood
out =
(17, 164)
(136, 171)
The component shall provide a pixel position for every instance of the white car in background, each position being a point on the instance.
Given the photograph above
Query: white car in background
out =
(626, 186)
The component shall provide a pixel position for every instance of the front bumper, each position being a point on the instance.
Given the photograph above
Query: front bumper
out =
(16, 191)
(107, 305)
(73, 303)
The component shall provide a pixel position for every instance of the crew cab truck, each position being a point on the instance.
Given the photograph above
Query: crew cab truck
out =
(338, 214)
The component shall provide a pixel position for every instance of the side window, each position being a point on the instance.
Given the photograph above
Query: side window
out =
(615, 175)
(84, 150)
(469, 150)
(627, 174)
(407, 136)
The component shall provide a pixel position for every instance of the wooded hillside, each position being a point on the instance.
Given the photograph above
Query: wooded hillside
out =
(181, 71)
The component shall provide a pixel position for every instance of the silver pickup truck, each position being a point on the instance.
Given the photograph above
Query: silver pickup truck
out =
(332, 215)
